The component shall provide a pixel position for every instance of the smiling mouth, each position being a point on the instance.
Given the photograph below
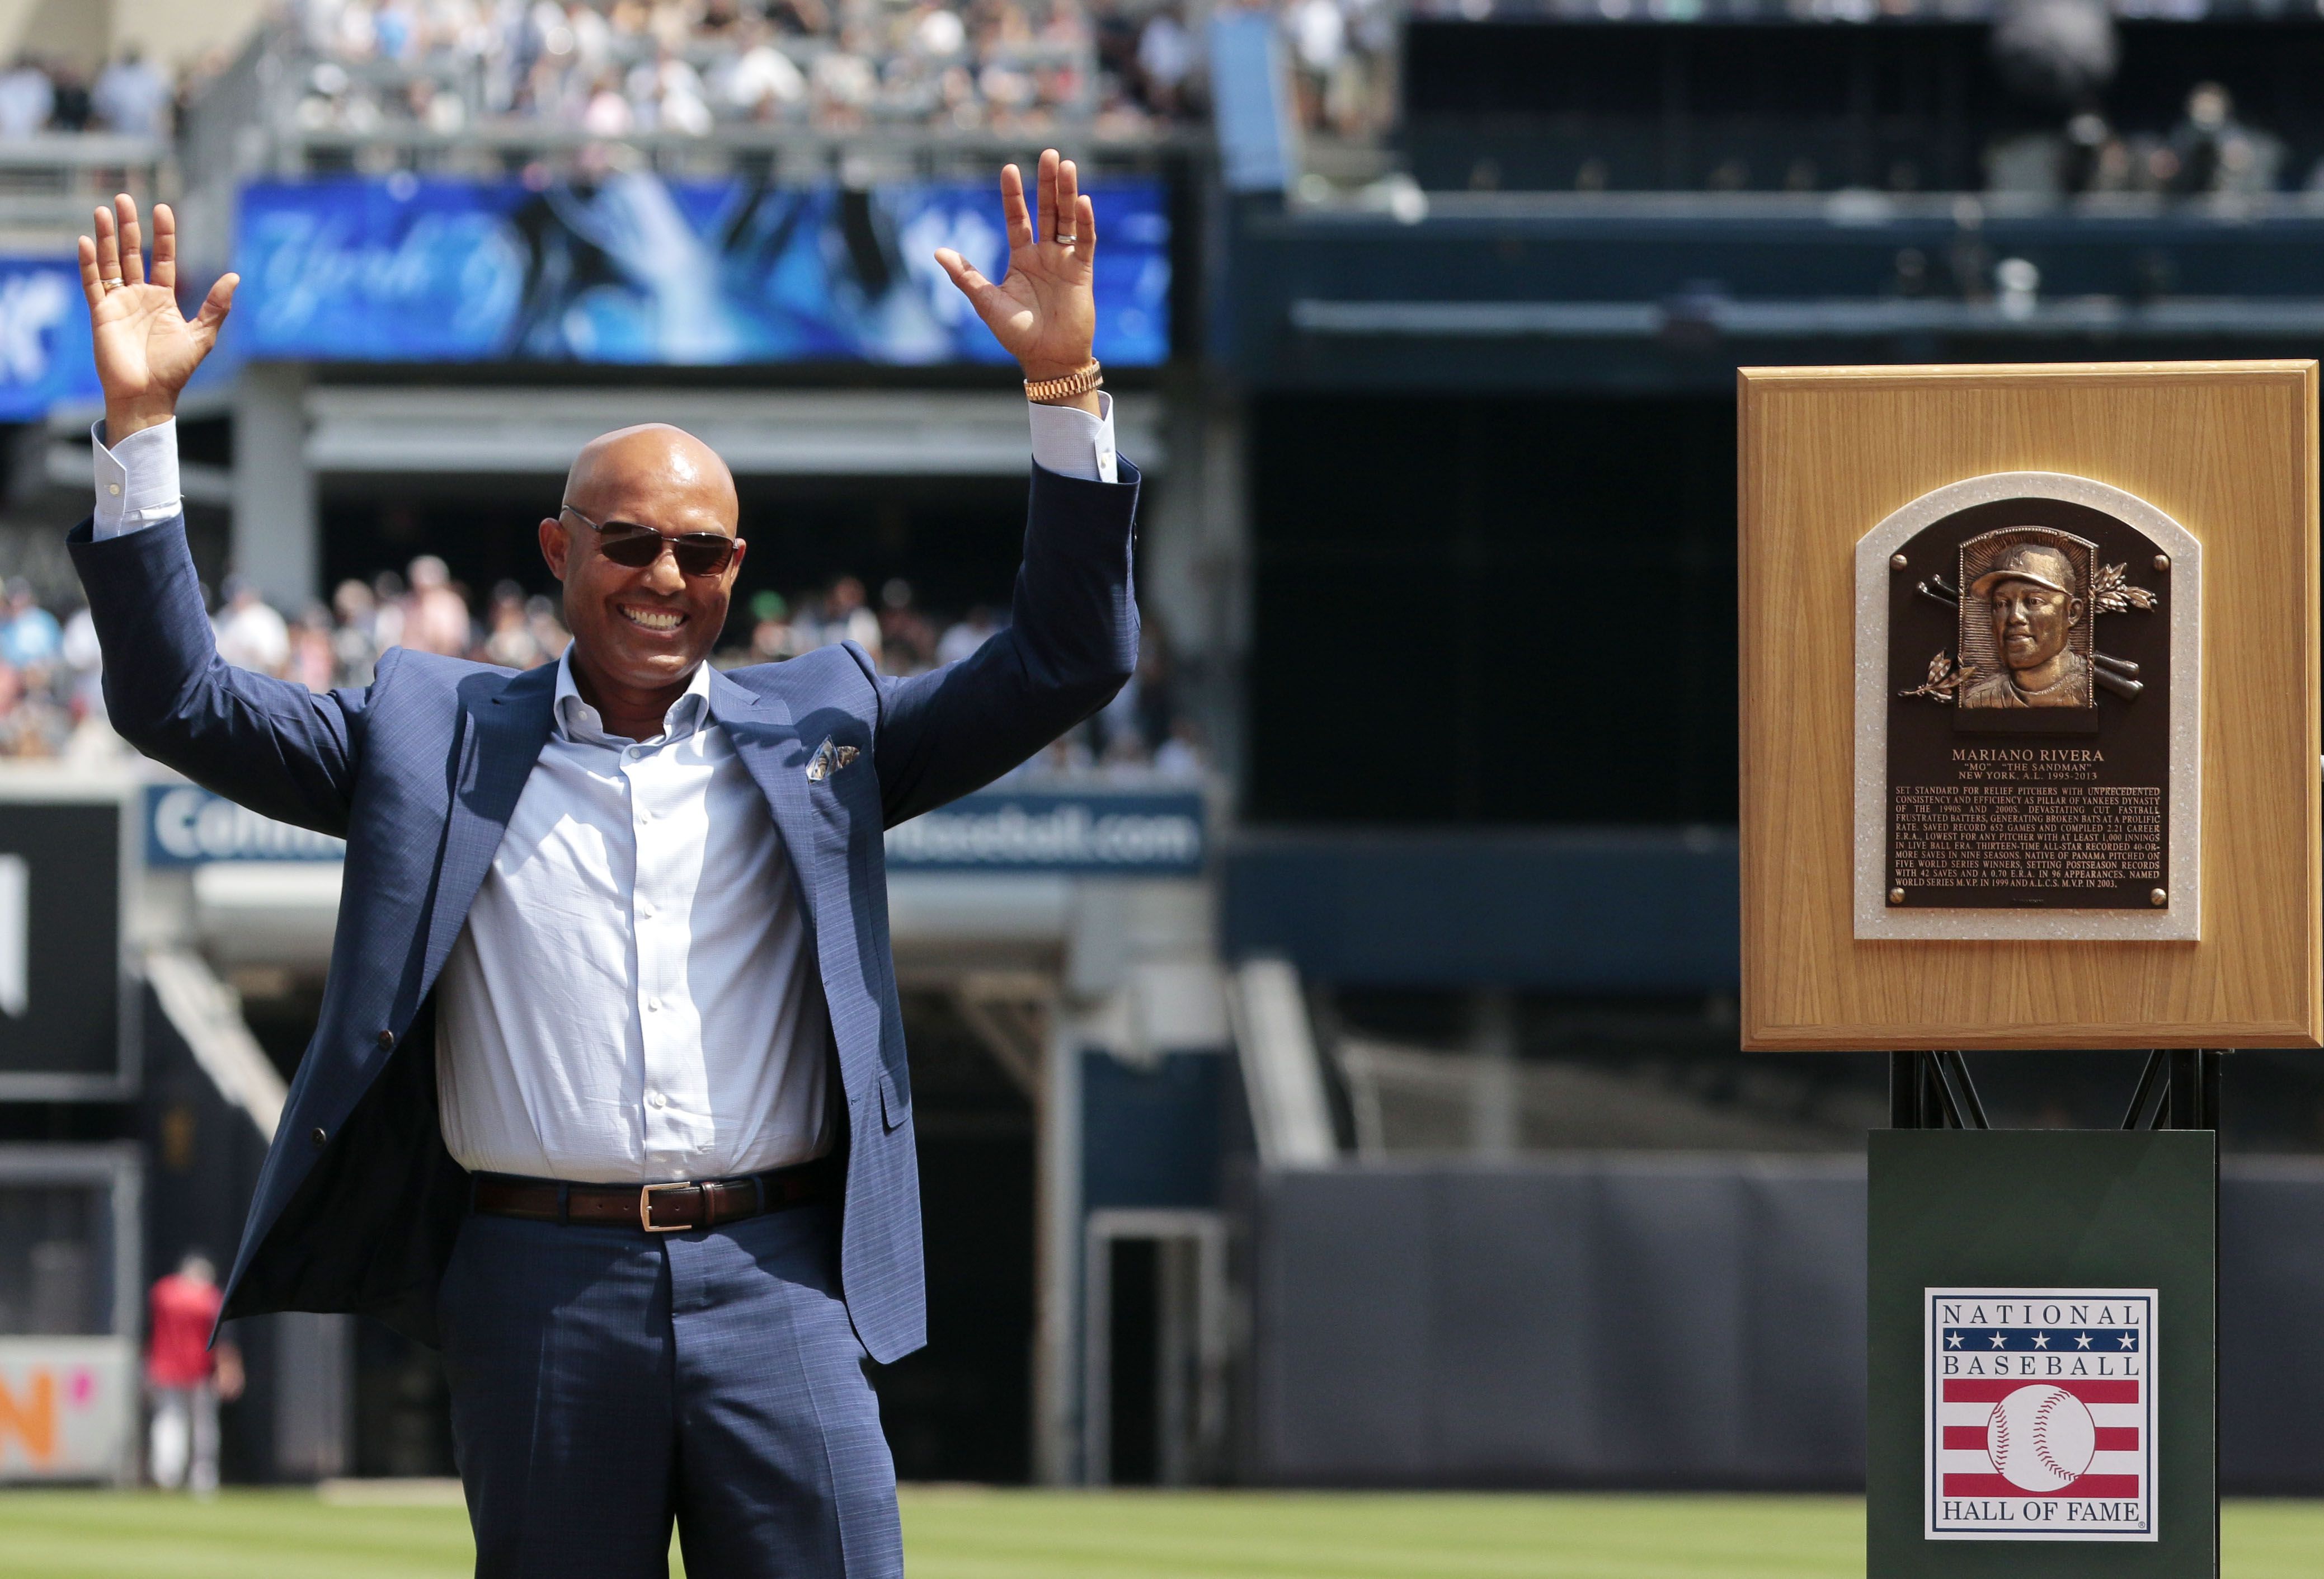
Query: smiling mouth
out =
(660, 621)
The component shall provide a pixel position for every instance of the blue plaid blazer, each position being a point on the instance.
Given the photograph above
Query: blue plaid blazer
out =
(359, 1202)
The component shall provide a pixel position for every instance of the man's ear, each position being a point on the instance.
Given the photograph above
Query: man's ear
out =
(554, 545)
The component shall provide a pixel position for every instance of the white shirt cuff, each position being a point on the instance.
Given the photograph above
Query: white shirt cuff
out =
(1070, 442)
(136, 479)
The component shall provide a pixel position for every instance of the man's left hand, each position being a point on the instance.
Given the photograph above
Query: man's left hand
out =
(1043, 312)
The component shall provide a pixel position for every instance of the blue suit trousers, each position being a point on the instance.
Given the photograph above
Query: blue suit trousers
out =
(605, 1381)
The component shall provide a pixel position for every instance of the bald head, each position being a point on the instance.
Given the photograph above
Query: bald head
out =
(631, 471)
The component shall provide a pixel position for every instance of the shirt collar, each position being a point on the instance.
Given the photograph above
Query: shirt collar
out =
(577, 720)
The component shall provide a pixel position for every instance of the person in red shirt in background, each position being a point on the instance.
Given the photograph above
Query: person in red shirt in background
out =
(188, 1378)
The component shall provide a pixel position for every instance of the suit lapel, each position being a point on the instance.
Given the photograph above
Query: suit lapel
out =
(769, 744)
(503, 727)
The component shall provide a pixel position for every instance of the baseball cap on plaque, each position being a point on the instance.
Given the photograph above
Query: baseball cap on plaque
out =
(2039, 1421)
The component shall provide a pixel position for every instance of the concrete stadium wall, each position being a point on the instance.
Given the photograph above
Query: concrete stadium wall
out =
(86, 32)
(1659, 1321)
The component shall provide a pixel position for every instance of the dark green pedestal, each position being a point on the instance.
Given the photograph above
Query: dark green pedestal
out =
(2045, 1209)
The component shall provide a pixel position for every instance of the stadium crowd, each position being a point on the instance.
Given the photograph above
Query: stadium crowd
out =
(52, 703)
(129, 95)
(618, 67)
(614, 67)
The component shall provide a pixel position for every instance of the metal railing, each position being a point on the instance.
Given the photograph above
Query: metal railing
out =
(50, 184)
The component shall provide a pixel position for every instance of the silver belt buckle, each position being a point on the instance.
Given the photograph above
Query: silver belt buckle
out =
(645, 1206)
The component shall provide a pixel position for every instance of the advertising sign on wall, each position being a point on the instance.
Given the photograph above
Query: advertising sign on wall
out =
(639, 268)
(1133, 834)
(187, 825)
(67, 1407)
(65, 1032)
(44, 346)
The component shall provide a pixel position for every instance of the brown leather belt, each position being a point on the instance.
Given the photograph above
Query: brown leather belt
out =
(654, 1209)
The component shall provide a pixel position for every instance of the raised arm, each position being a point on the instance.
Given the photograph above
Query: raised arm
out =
(268, 744)
(1073, 636)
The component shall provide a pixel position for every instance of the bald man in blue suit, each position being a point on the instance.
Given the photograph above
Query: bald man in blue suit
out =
(608, 1097)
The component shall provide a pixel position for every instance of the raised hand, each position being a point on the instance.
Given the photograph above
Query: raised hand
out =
(145, 348)
(1043, 313)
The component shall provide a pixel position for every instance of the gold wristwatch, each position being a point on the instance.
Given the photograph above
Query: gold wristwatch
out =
(1078, 383)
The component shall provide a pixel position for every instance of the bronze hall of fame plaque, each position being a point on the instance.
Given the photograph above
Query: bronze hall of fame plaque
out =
(2028, 656)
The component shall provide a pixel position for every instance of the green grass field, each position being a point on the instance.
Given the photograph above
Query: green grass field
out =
(970, 1534)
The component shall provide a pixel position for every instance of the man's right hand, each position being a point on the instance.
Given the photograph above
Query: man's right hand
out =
(145, 348)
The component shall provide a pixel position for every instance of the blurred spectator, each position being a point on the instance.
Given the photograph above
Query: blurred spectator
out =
(27, 98)
(354, 642)
(70, 110)
(971, 634)
(846, 619)
(250, 633)
(509, 638)
(32, 635)
(607, 114)
(132, 96)
(772, 636)
(1181, 756)
(314, 657)
(78, 655)
(549, 636)
(1126, 757)
(1165, 60)
(2214, 154)
(387, 592)
(760, 82)
(187, 1377)
(1318, 30)
(908, 640)
(435, 616)
(1066, 757)
(665, 94)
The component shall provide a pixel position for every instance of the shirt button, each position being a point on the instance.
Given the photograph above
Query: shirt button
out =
(654, 1099)
(653, 1003)
(114, 489)
(387, 1041)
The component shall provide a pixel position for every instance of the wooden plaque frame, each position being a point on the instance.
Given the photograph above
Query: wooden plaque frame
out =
(2227, 449)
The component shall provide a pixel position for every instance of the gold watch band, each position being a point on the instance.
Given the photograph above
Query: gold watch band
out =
(1078, 383)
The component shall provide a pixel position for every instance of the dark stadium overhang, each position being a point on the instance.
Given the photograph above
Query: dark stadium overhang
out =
(1671, 292)
(1649, 911)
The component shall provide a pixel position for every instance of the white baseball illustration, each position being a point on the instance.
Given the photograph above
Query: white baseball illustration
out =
(2041, 1438)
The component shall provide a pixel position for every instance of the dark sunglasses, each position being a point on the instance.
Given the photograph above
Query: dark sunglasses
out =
(635, 547)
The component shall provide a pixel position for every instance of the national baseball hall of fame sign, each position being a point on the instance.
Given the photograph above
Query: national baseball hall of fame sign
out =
(2040, 1414)
(2032, 695)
